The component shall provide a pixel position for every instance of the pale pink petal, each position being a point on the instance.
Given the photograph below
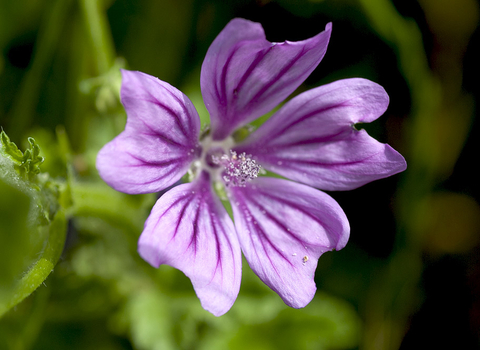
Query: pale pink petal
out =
(190, 230)
(283, 228)
(160, 139)
(313, 139)
(244, 76)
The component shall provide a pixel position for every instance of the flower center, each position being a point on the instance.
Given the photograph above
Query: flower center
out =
(225, 165)
(238, 169)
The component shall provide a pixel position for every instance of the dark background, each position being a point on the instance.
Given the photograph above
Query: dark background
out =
(411, 271)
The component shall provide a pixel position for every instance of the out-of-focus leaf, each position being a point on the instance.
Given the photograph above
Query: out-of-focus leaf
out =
(27, 163)
(105, 87)
(326, 323)
(14, 208)
(451, 223)
(452, 22)
(25, 103)
(150, 320)
(39, 272)
(147, 46)
(33, 224)
(119, 209)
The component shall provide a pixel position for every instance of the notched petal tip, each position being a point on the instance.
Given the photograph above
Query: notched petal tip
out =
(312, 138)
(371, 98)
(397, 161)
(190, 230)
(160, 139)
(154, 106)
(283, 228)
(244, 76)
(244, 28)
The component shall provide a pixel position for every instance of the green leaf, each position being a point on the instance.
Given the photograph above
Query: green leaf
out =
(32, 222)
(10, 148)
(27, 164)
(119, 209)
(326, 323)
(40, 270)
(150, 322)
(45, 264)
(14, 208)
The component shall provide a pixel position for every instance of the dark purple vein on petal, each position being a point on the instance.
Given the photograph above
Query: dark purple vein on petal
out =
(290, 204)
(223, 80)
(170, 171)
(173, 115)
(161, 135)
(216, 81)
(313, 140)
(164, 138)
(167, 109)
(175, 203)
(278, 222)
(154, 163)
(179, 220)
(275, 79)
(345, 103)
(300, 209)
(292, 162)
(307, 116)
(218, 265)
(261, 148)
(194, 237)
(186, 112)
(259, 57)
(263, 238)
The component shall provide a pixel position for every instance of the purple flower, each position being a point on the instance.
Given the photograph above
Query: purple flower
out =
(281, 226)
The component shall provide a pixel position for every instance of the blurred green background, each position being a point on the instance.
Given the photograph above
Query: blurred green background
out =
(409, 277)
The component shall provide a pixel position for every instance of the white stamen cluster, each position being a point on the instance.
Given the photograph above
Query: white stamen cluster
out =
(238, 168)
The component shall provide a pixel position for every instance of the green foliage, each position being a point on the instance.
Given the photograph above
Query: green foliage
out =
(105, 87)
(14, 208)
(58, 66)
(33, 227)
(327, 323)
(27, 163)
(158, 309)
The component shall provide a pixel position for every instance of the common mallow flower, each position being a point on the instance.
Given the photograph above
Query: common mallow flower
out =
(281, 226)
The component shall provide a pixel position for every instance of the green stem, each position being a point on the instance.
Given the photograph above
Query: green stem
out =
(44, 265)
(121, 210)
(23, 108)
(100, 37)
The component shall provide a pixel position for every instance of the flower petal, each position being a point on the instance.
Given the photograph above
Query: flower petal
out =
(244, 76)
(159, 141)
(190, 230)
(312, 139)
(283, 228)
